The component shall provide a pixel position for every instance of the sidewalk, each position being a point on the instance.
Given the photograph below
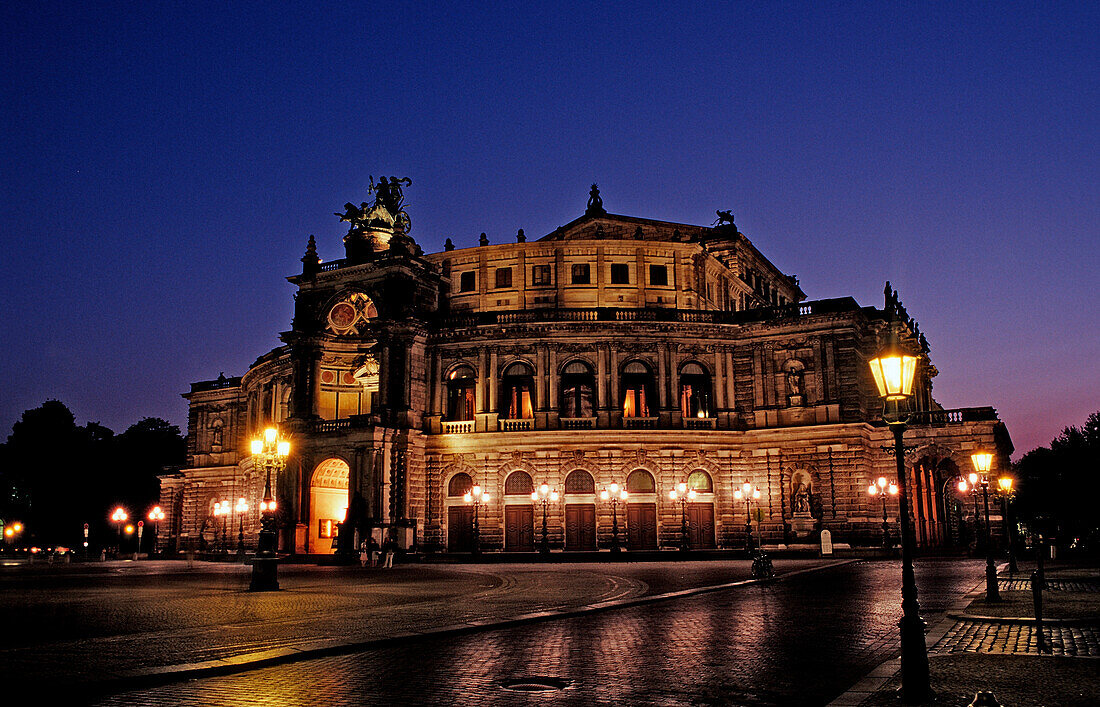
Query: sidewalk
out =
(983, 646)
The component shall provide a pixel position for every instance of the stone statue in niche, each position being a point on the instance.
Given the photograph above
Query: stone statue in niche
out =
(216, 437)
(802, 520)
(795, 384)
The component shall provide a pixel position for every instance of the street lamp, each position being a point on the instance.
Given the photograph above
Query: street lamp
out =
(683, 494)
(119, 517)
(1004, 490)
(545, 495)
(270, 453)
(882, 489)
(614, 493)
(11, 531)
(242, 508)
(156, 516)
(221, 510)
(983, 461)
(748, 493)
(478, 498)
(894, 370)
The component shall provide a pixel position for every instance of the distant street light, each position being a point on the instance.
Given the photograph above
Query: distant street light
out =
(242, 508)
(748, 493)
(270, 454)
(894, 371)
(615, 495)
(1005, 492)
(683, 494)
(478, 498)
(545, 495)
(119, 517)
(983, 461)
(156, 516)
(882, 489)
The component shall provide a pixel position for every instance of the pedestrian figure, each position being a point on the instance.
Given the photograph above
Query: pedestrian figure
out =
(372, 550)
(389, 547)
(364, 555)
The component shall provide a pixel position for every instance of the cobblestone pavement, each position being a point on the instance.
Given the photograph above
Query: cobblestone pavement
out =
(1021, 585)
(1015, 638)
(72, 624)
(802, 640)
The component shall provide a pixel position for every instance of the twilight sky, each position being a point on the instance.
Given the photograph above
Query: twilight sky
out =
(162, 164)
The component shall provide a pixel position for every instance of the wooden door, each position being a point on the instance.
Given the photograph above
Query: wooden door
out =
(641, 526)
(460, 529)
(580, 526)
(700, 517)
(519, 524)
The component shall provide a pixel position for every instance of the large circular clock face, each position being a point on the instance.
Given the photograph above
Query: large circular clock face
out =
(341, 315)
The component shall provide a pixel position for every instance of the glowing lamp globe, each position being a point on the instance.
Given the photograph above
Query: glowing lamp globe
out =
(983, 461)
(893, 371)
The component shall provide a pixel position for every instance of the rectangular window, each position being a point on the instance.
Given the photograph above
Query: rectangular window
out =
(540, 275)
(503, 278)
(620, 274)
(658, 275)
(581, 275)
(467, 281)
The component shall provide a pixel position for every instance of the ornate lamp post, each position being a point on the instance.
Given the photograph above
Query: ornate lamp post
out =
(545, 495)
(242, 508)
(477, 497)
(974, 483)
(882, 489)
(1004, 485)
(748, 493)
(614, 493)
(156, 516)
(894, 370)
(269, 453)
(119, 517)
(221, 510)
(983, 461)
(683, 494)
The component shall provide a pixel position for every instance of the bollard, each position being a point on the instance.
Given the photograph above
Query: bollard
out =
(984, 699)
(1037, 598)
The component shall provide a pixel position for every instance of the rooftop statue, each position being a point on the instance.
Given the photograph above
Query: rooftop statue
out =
(595, 203)
(388, 209)
(725, 218)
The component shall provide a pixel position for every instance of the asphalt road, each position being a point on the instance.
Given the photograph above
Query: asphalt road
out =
(802, 640)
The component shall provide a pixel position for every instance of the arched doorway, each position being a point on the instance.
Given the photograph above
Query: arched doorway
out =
(460, 516)
(580, 511)
(641, 511)
(700, 513)
(519, 513)
(328, 504)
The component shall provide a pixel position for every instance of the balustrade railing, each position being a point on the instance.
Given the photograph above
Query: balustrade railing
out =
(578, 423)
(640, 423)
(700, 423)
(520, 425)
(458, 426)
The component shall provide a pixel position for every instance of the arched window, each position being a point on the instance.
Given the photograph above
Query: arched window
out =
(459, 484)
(638, 390)
(640, 481)
(580, 481)
(700, 481)
(694, 390)
(517, 388)
(518, 483)
(461, 384)
(578, 390)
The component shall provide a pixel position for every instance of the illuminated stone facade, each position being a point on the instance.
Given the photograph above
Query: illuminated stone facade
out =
(612, 350)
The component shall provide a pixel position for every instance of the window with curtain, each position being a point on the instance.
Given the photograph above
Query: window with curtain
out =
(638, 390)
(517, 388)
(695, 391)
(578, 390)
(461, 387)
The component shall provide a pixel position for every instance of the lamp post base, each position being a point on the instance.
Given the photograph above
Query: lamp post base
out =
(265, 575)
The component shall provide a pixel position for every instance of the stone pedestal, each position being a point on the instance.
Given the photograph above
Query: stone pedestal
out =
(802, 525)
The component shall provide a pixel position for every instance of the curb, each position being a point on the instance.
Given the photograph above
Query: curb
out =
(149, 677)
(959, 616)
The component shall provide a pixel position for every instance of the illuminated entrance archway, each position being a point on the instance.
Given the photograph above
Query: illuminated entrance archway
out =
(328, 504)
